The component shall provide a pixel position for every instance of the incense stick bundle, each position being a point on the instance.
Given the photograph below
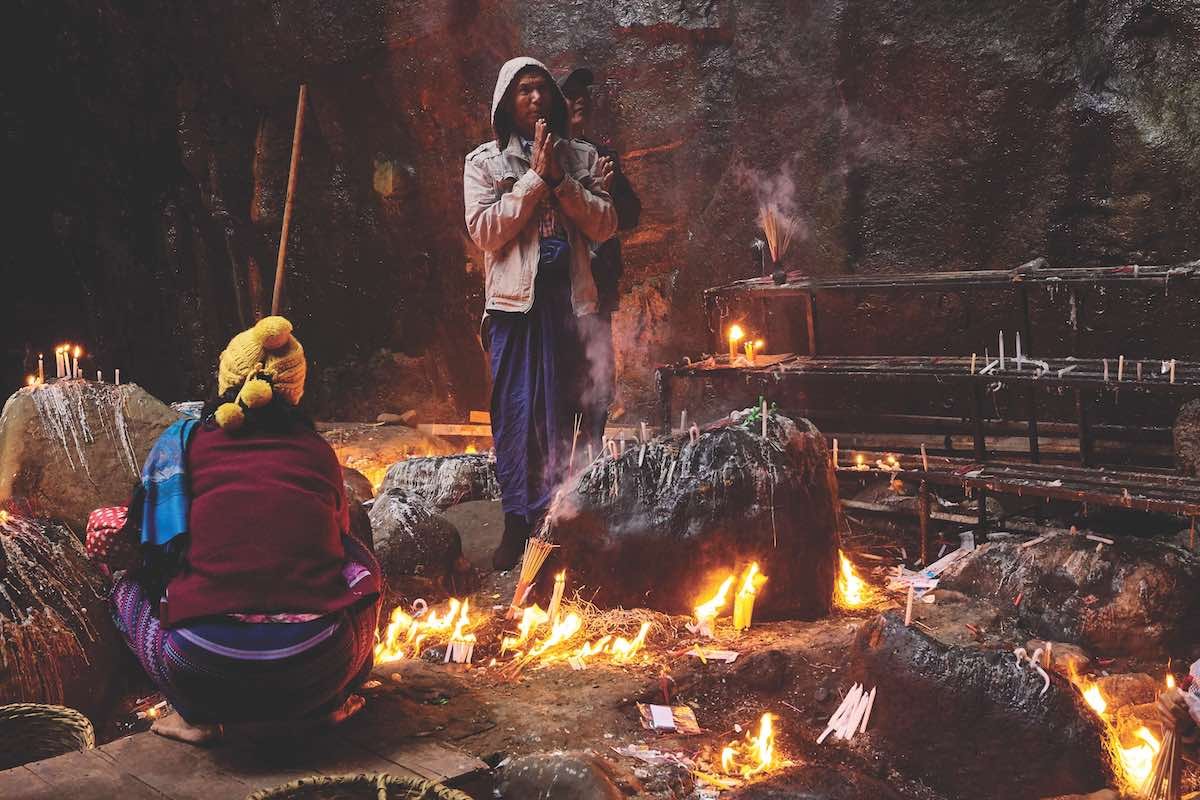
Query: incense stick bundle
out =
(778, 229)
(537, 549)
(574, 440)
(1164, 780)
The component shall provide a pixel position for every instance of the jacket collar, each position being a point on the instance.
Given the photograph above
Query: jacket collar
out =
(514, 148)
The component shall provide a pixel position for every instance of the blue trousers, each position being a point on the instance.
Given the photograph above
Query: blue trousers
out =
(534, 360)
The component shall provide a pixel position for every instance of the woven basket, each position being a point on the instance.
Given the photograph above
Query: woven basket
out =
(360, 787)
(33, 731)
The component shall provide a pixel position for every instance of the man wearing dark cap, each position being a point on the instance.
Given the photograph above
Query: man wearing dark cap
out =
(596, 330)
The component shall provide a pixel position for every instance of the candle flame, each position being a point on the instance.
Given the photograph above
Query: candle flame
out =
(752, 579)
(471, 449)
(736, 334)
(1134, 763)
(758, 344)
(851, 590)
(30, 380)
(1170, 681)
(78, 351)
(1095, 699)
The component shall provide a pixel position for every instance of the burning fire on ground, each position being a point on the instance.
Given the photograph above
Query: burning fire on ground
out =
(851, 591)
(539, 639)
(406, 635)
(1134, 763)
(754, 754)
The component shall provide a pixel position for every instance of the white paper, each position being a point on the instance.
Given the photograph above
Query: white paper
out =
(662, 718)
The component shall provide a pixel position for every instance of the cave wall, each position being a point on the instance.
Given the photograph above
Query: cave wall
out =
(149, 147)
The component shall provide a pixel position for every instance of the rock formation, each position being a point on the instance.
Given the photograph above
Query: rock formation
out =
(441, 482)
(69, 447)
(654, 529)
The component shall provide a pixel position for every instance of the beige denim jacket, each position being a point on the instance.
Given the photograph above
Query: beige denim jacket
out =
(502, 193)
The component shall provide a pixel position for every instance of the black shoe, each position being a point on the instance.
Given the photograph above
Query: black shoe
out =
(512, 544)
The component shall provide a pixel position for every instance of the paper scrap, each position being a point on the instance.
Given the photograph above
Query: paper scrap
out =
(680, 719)
(705, 654)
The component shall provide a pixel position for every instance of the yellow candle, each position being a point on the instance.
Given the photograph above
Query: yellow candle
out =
(743, 610)
(735, 336)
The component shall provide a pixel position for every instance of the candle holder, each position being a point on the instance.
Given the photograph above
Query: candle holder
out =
(778, 274)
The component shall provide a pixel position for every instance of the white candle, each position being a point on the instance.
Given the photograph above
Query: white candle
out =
(683, 420)
(117, 381)
(908, 607)
(835, 454)
(1106, 370)
(924, 458)
(1020, 356)
(99, 376)
(645, 438)
(58, 362)
(1139, 370)
(764, 418)
(75, 373)
(1172, 370)
(1001, 349)
(1120, 369)
(972, 363)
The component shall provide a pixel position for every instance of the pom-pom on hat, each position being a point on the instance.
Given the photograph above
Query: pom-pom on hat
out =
(265, 361)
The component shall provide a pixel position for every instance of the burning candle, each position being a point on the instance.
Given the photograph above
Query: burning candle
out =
(58, 370)
(75, 373)
(835, 454)
(749, 349)
(41, 370)
(30, 380)
(735, 336)
(560, 583)
(743, 601)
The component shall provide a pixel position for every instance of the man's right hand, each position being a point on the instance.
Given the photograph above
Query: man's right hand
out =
(544, 160)
(1172, 711)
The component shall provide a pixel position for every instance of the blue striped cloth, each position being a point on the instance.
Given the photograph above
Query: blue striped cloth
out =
(164, 478)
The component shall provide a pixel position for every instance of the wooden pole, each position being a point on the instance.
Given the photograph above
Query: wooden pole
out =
(277, 296)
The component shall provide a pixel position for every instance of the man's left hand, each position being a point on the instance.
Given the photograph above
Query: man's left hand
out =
(553, 145)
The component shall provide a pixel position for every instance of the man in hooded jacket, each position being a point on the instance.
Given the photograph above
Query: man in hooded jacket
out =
(534, 203)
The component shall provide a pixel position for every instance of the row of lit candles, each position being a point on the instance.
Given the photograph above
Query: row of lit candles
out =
(749, 347)
(66, 365)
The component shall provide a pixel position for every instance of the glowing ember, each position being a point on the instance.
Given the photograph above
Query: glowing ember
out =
(753, 755)
(471, 449)
(405, 635)
(852, 591)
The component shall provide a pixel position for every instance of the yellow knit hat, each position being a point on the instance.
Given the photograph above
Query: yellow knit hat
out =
(265, 361)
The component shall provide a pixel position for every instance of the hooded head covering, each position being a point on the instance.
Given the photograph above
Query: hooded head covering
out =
(266, 361)
(502, 124)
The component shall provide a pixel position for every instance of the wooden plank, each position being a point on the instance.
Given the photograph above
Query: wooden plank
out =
(452, 429)
(179, 770)
(480, 418)
(89, 776)
(19, 782)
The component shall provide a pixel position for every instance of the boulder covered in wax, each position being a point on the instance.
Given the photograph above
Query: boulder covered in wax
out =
(72, 446)
(443, 481)
(662, 528)
(58, 643)
(409, 540)
(974, 723)
(1133, 597)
